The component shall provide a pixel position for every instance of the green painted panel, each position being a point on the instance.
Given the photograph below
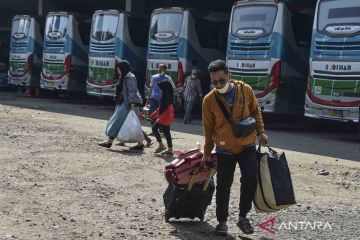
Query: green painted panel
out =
(101, 74)
(53, 68)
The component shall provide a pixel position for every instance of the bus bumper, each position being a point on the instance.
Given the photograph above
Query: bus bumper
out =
(59, 84)
(97, 90)
(23, 80)
(344, 114)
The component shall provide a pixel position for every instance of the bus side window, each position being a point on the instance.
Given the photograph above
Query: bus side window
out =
(302, 27)
(84, 31)
(211, 34)
(136, 31)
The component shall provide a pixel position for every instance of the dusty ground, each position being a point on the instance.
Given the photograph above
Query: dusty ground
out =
(58, 184)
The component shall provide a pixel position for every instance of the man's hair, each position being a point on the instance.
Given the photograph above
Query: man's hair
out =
(218, 65)
(163, 66)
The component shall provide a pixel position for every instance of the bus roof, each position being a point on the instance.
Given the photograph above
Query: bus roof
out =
(304, 3)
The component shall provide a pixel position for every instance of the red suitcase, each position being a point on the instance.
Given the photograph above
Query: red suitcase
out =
(187, 168)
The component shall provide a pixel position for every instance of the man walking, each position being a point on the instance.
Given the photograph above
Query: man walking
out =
(232, 120)
(191, 92)
(155, 91)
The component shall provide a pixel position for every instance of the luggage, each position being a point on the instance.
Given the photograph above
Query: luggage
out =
(180, 202)
(187, 167)
(131, 130)
(274, 190)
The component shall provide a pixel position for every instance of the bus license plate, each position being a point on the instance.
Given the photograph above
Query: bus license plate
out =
(335, 113)
(98, 90)
(50, 84)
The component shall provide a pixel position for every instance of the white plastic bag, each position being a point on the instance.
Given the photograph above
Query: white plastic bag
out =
(131, 130)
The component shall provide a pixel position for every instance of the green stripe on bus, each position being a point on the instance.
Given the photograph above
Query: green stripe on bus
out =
(335, 87)
(101, 74)
(257, 83)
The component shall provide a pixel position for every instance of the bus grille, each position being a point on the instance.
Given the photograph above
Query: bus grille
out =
(337, 46)
(102, 47)
(163, 48)
(248, 46)
(49, 44)
(248, 72)
(18, 44)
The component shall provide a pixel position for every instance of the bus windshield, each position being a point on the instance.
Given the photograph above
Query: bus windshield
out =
(165, 26)
(344, 12)
(104, 26)
(56, 26)
(20, 27)
(259, 19)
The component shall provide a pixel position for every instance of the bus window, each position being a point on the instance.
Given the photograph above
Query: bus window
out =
(21, 28)
(105, 26)
(56, 26)
(138, 38)
(335, 13)
(165, 26)
(260, 17)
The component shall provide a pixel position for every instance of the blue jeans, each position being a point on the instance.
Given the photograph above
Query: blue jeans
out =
(154, 104)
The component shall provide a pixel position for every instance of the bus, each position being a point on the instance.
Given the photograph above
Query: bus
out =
(115, 35)
(184, 39)
(334, 82)
(25, 52)
(268, 48)
(4, 57)
(65, 54)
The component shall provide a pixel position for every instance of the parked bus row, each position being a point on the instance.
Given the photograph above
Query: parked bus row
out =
(297, 58)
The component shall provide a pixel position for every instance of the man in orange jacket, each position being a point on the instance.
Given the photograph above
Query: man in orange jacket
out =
(240, 104)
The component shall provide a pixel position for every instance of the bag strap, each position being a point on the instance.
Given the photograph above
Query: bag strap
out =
(223, 109)
(269, 148)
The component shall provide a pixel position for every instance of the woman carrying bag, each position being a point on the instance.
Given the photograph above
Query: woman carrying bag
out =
(127, 97)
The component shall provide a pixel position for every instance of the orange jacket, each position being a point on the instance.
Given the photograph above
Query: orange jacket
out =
(218, 131)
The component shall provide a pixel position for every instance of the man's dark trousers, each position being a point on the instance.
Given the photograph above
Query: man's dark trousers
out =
(226, 165)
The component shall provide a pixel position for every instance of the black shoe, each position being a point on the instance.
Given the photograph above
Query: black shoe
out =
(245, 225)
(138, 147)
(105, 144)
(221, 229)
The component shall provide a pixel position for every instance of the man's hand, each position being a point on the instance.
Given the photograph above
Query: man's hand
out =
(263, 139)
(205, 159)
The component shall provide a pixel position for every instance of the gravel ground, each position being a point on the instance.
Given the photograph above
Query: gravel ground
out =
(58, 184)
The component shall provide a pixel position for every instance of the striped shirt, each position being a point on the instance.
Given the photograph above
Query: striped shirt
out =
(192, 89)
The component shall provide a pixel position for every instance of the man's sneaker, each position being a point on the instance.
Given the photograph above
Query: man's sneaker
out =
(221, 229)
(245, 225)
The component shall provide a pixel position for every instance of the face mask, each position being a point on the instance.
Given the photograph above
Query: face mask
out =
(193, 76)
(224, 89)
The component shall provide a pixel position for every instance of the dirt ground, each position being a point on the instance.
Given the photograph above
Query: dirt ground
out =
(58, 184)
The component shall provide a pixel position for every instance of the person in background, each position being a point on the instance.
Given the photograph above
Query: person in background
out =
(191, 92)
(155, 91)
(163, 117)
(239, 100)
(127, 97)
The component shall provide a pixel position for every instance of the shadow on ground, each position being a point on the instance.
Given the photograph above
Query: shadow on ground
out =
(326, 138)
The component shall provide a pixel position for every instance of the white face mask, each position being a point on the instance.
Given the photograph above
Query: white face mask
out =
(224, 89)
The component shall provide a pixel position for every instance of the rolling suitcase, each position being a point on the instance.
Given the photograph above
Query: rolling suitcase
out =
(190, 201)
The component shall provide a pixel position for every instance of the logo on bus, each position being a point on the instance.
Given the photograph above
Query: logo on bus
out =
(247, 65)
(343, 29)
(100, 63)
(19, 35)
(164, 35)
(337, 67)
(250, 32)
